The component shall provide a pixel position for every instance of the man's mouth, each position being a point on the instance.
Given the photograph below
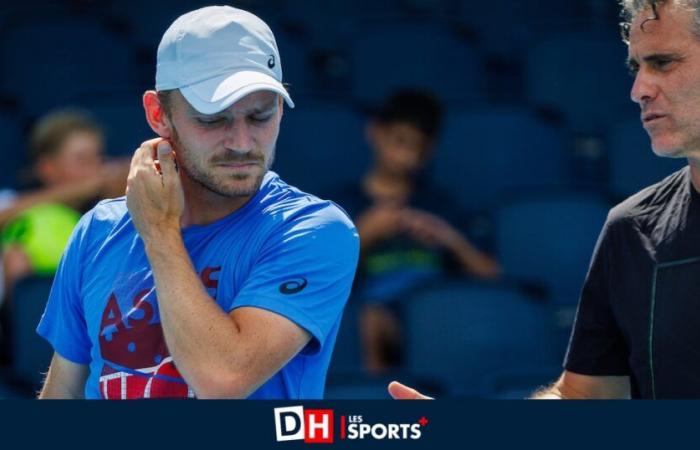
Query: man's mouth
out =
(650, 117)
(238, 164)
(247, 164)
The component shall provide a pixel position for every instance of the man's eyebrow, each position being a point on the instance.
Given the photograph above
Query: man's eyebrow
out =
(656, 57)
(264, 108)
(653, 58)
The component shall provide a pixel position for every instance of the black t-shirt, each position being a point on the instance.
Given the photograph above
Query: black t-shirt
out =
(639, 312)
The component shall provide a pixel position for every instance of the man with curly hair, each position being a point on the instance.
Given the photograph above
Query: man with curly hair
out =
(636, 329)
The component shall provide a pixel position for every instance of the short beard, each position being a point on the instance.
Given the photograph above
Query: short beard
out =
(207, 181)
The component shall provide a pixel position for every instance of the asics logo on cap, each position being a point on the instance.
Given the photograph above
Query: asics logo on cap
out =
(271, 62)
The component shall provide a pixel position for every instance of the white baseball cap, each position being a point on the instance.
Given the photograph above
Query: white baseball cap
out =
(217, 55)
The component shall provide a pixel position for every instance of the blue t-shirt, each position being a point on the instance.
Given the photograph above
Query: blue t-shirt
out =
(284, 251)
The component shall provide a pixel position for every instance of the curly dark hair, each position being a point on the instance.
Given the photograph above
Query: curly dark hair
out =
(418, 107)
(631, 8)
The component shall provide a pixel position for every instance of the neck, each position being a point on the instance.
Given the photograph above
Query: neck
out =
(203, 206)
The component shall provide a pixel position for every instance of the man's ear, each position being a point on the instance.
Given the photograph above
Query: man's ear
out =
(156, 115)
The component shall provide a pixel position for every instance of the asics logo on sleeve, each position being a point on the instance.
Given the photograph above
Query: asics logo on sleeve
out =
(293, 286)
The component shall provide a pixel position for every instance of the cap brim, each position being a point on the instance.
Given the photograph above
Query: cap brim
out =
(216, 94)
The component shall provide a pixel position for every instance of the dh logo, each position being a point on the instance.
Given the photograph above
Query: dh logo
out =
(314, 426)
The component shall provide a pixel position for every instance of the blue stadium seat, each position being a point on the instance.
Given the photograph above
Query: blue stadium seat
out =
(321, 146)
(507, 27)
(320, 19)
(465, 333)
(354, 386)
(389, 57)
(45, 60)
(149, 20)
(7, 392)
(297, 67)
(484, 154)
(14, 151)
(583, 77)
(548, 239)
(359, 385)
(31, 354)
(633, 164)
(121, 113)
(347, 353)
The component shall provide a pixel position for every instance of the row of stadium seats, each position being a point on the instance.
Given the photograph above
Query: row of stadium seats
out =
(360, 63)
(462, 339)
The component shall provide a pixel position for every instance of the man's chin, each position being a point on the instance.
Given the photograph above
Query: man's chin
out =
(668, 151)
(241, 186)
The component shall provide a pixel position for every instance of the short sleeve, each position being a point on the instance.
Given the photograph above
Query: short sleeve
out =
(63, 322)
(305, 272)
(597, 346)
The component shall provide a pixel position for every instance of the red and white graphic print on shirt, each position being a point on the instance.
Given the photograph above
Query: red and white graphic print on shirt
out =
(137, 361)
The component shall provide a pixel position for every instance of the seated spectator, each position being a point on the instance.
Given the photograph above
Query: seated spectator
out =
(407, 227)
(70, 176)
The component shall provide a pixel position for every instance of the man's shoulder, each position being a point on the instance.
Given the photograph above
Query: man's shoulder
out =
(109, 211)
(289, 205)
(102, 219)
(650, 202)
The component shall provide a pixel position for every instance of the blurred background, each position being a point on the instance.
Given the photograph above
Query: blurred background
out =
(477, 145)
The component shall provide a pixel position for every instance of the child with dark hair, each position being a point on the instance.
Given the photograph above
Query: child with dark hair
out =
(406, 226)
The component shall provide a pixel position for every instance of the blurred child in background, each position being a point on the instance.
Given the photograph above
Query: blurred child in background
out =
(70, 176)
(407, 227)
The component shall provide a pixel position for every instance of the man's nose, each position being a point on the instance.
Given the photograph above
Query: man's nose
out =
(643, 89)
(238, 136)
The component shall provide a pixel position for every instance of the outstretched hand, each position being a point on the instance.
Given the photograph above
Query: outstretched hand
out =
(400, 391)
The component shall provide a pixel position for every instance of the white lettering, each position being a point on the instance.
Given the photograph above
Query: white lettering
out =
(324, 426)
(379, 431)
(394, 431)
(352, 431)
(415, 431)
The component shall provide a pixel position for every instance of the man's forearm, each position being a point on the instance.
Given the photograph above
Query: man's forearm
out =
(548, 393)
(198, 333)
(573, 386)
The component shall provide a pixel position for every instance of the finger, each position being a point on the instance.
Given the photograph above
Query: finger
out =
(166, 160)
(151, 145)
(146, 153)
(399, 391)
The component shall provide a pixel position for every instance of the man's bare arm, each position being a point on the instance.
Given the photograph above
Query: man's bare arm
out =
(220, 355)
(576, 386)
(65, 379)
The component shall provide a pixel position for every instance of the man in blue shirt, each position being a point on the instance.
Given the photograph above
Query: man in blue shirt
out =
(213, 278)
